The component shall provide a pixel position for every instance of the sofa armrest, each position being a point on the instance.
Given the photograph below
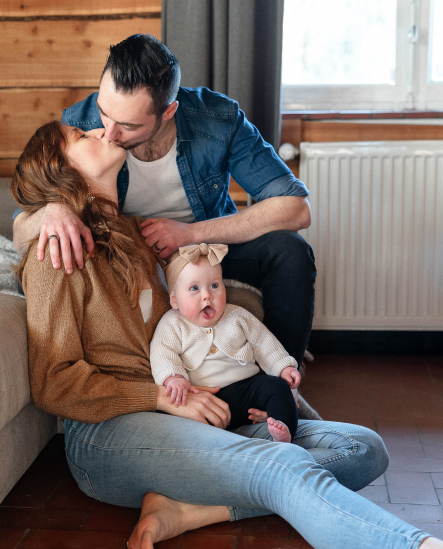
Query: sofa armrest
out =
(14, 378)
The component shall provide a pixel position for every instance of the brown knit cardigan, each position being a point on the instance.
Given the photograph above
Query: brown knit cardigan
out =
(88, 348)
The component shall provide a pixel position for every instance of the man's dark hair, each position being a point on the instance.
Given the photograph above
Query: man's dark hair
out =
(142, 61)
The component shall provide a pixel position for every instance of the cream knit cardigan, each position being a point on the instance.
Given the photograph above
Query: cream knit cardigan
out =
(178, 345)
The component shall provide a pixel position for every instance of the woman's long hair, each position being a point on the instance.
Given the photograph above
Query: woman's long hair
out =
(43, 175)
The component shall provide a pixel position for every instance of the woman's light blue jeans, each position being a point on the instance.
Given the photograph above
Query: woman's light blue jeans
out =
(309, 482)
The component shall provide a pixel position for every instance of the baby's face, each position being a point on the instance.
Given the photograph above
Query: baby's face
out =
(200, 294)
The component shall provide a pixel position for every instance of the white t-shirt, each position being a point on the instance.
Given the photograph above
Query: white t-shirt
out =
(156, 190)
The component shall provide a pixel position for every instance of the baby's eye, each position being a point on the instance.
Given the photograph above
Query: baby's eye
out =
(215, 285)
(194, 288)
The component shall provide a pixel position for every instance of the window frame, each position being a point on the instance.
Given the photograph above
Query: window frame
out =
(412, 90)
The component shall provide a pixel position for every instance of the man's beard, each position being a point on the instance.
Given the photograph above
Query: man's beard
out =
(128, 147)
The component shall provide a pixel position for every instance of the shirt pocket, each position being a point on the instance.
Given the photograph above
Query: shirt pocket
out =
(214, 184)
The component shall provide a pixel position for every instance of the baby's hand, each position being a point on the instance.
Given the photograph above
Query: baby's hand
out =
(179, 387)
(292, 376)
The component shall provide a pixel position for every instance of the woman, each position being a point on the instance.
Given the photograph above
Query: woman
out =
(89, 339)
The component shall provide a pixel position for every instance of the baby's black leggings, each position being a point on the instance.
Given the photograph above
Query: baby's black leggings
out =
(267, 393)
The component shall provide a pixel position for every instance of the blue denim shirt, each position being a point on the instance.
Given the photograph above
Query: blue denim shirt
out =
(214, 140)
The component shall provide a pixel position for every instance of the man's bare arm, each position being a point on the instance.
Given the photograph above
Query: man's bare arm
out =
(290, 213)
(54, 219)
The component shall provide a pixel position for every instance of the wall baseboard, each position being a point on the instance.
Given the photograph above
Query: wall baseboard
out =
(369, 342)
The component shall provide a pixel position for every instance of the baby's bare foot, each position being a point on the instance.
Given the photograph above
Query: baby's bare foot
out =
(278, 430)
(163, 518)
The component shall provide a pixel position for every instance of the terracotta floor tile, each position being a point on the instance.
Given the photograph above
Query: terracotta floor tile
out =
(380, 481)
(400, 439)
(9, 537)
(376, 494)
(252, 542)
(206, 541)
(411, 488)
(53, 539)
(26, 498)
(432, 440)
(173, 543)
(268, 526)
(110, 518)
(437, 479)
(68, 495)
(54, 519)
(42, 476)
(415, 513)
(432, 529)
(422, 465)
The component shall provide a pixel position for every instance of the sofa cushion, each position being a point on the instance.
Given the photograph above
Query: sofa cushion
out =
(7, 207)
(14, 379)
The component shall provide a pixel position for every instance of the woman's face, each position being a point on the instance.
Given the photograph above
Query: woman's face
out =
(95, 158)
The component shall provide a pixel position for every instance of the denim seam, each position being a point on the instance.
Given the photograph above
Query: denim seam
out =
(85, 475)
(418, 539)
(354, 450)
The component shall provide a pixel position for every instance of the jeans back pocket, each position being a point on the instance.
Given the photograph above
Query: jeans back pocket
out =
(82, 479)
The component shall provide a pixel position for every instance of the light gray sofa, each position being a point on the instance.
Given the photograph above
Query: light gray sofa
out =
(24, 428)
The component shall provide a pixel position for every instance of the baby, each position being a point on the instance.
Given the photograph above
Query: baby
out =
(203, 341)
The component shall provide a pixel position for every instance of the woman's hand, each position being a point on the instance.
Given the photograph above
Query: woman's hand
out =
(203, 407)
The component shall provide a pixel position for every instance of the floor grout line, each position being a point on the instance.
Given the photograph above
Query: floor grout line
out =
(23, 537)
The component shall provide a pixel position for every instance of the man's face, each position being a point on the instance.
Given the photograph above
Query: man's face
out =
(126, 116)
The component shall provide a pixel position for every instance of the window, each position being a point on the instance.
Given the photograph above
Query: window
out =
(365, 54)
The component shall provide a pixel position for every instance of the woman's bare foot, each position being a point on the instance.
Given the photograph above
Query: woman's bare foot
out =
(163, 518)
(279, 431)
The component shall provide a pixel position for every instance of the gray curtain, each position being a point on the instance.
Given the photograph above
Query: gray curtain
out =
(233, 47)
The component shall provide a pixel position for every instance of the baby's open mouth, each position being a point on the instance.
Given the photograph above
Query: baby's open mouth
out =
(207, 313)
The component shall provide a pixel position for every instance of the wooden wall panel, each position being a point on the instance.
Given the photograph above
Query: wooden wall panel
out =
(7, 167)
(291, 131)
(29, 8)
(22, 111)
(318, 132)
(64, 52)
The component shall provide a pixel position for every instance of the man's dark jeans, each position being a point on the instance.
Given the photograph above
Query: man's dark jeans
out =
(280, 264)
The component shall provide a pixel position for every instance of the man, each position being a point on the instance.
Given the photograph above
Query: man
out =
(182, 145)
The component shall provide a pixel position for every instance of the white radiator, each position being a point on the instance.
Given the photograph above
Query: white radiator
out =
(377, 233)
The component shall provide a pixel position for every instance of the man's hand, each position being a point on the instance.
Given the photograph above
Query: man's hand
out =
(60, 220)
(165, 236)
(292, 376)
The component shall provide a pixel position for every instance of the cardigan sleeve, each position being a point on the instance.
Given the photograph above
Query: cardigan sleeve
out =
(269, 353)
(166, 347)
(62, 382)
